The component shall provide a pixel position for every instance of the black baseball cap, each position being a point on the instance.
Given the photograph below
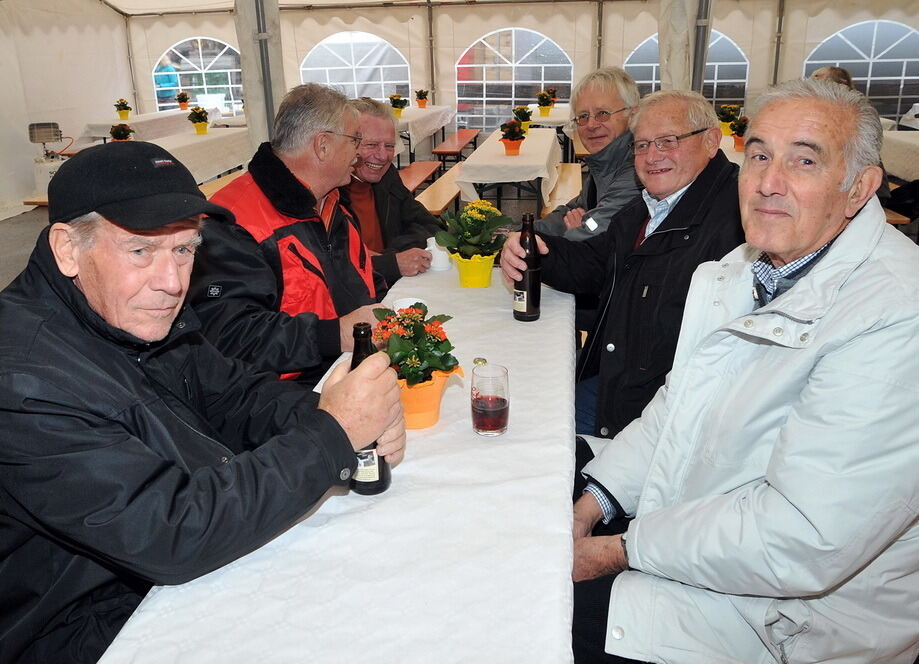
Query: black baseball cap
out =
(134, 184)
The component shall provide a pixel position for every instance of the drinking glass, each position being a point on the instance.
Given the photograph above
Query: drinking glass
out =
(490, 399)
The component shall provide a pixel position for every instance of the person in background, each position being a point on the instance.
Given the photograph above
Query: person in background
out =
(166, 82)
(642, 263)
(843, 77)
(282, 288)
(601, 105)
(133, 452)
(394, 225)
(772, 479)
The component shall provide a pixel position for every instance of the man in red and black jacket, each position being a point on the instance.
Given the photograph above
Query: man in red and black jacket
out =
(282, 288)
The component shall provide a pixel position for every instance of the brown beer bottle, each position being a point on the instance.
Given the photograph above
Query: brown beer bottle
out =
(527, 290)
(373, 474)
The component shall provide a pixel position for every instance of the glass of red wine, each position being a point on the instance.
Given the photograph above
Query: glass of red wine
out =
(490, 399)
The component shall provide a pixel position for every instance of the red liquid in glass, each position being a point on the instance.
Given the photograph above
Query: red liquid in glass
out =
(489, 414)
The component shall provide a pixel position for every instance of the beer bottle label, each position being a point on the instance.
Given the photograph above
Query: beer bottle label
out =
(368, 466)
(520, 300)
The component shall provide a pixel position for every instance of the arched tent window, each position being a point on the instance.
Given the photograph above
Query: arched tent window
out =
(506, 68)
(359, 64)
(199, 66)
(883, 58)
(726, 69)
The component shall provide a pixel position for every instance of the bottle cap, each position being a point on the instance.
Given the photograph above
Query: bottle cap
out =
(480, 361)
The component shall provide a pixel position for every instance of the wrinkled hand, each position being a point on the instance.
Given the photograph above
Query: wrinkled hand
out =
(574, 217)
(512, 255)
(365, 402)
(587, 513)
(413, 261)
(346, 324)
(597, 556)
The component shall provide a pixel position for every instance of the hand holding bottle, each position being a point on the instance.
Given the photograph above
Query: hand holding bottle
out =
(513, 256)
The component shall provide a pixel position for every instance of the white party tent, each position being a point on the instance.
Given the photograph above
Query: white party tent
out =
(67, 61)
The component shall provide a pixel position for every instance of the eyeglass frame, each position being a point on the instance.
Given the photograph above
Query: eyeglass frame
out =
(639, 151)
(356, 140)
(586, 116)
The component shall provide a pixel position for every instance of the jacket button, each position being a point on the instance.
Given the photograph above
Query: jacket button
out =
(224, 459)
(617, 632)
(716, 303)
(180, 324)
(604, 431)
(748, 323)
(685, 237)
(721, 278)
(610, 347)
(804, 337)
(344, 474)
(777, 331)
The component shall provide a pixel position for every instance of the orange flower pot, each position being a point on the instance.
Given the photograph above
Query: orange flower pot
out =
(183, 105)
(511, 148)
(421, 402)
(422, 102)
(738, 143)
(119, 140)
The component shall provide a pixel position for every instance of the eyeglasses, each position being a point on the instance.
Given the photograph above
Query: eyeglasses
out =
(356, 140)
(664, 143)
(582, 119)
(375, 145)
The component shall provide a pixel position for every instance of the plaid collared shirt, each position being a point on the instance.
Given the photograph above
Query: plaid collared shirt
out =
(777, 280)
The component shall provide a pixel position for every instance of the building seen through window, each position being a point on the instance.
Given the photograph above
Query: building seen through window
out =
(358, 64)
(207, 69)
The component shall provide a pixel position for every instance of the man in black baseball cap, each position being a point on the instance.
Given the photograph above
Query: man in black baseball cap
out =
(133, 453)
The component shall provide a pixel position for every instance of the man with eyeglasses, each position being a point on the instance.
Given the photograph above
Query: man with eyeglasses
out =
(602, 103)
(282, 287)
(394, 225)
(642, 264)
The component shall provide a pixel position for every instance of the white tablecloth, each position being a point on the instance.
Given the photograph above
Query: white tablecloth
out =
(146, 126)
(559, 115)
(539, 157)
(423, 122)
(466, 558)
(911, 117)
(900, 154)
(208, 155)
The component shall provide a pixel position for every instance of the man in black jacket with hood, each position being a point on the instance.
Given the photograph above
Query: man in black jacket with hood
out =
(132, 452)
(641, 266)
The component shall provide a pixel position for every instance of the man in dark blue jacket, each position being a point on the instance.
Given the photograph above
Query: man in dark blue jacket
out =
(133, 453)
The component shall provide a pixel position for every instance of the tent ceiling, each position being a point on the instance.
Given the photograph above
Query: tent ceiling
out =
(136, 7)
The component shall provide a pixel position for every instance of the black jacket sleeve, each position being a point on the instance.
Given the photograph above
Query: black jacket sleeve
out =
(236, 292)
(577, 267)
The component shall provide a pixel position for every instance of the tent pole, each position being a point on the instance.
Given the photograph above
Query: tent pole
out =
(599, 33)
(431, 71)
(778, 41)
(127, 37)
(265, 62)
(700, 48)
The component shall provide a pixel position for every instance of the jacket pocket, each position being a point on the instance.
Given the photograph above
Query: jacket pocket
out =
(786, 622)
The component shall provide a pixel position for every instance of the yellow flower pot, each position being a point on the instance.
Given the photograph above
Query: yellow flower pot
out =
(123, 115)
(397, 112)
(726, 128)
(545, 110)
(200, 127)
(525, 125)
(475, 272)
(421, 402)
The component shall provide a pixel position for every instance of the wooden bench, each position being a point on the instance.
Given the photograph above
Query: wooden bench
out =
(579, 150)
(418, 172)
(454, 145)
(208, 188)
(213, 186)
(443, 191)
(567, 187)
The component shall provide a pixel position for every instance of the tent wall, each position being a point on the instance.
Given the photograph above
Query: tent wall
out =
(64, 61)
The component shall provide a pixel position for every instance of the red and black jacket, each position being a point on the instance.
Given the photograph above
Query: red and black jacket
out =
(270, 288)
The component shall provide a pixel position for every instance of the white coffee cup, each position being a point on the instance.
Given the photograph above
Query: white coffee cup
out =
(440, 258)
(406, 302)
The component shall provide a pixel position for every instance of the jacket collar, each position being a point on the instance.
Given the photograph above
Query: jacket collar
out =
(285, 192)
(63, 287)
(616, 151)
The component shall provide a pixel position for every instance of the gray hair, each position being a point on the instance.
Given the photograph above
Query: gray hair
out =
(84, 227)
(374, 108)
(608, 79)
(699, 112)
(307, 110)
(863, 148)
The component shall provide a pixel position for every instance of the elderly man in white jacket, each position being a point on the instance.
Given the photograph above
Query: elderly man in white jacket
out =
(773, 478)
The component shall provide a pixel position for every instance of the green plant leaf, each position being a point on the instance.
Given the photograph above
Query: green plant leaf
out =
(381, 313)
(439, 318)
(445, 239)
